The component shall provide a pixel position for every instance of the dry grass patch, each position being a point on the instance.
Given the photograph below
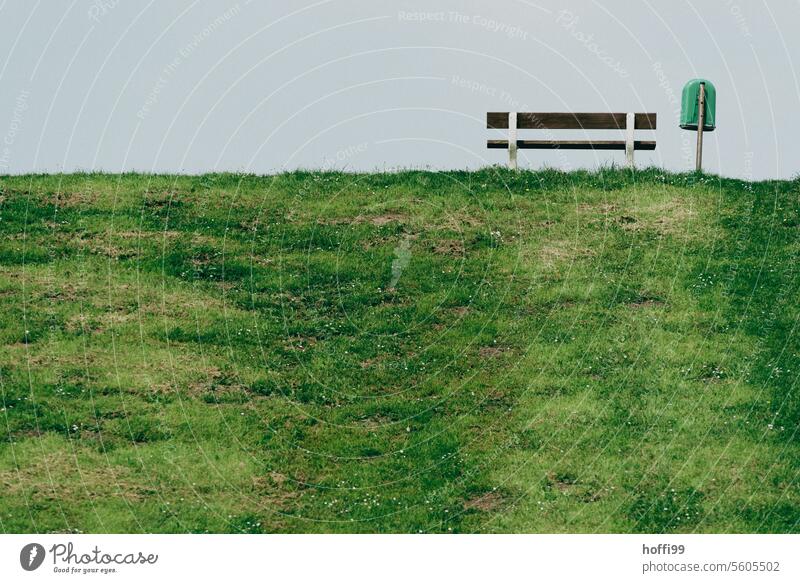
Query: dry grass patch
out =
(555, 253)
(488, 502)
(56, 476)
(451, 247)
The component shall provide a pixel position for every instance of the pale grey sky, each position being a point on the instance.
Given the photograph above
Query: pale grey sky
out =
(190, 86)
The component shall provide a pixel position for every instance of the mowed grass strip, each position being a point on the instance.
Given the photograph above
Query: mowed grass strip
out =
(411, 352)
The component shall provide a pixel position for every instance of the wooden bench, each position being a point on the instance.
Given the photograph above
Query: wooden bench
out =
(513, 121)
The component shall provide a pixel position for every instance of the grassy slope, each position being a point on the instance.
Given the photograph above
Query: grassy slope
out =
(561, 353)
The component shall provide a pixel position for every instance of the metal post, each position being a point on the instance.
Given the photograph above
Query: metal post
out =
(630, 123)
(512, 140)
(701, 121)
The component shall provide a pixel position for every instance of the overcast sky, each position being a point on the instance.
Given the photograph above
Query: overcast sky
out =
(190, 86)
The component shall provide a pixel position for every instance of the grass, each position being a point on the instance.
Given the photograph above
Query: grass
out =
(410, 352)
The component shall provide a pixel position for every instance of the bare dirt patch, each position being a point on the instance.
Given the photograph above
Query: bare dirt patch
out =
(56, 476)
(371, 362)
(561, 483)
(457, 221)
(382, 220)
(602, 208)
(374, 422)
(673, 216)
(99, 246)
(72, 199)
(165, 234)
(492, 351)
(273, 490)
(646, 303)
(570, 486)
(168, 198)
(376, 220)
(82, 323)
(299, 343)
(452, 247)
(278, 478)
(667, 217)
(558, 252)
(215, 379)
(67, 292)
(485, 502)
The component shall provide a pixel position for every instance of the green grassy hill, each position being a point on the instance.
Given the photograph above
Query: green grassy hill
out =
(434, 352)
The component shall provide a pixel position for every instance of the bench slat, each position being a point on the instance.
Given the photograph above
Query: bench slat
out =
(569, 121)
(571, 144)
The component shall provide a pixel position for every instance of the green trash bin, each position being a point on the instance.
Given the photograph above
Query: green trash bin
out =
(689, 113)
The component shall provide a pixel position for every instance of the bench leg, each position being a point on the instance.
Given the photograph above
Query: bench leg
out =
(630, 123)
(512, 140)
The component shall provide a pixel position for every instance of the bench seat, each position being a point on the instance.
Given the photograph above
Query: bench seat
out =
(571, 144)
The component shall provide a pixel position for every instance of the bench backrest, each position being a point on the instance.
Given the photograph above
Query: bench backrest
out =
(570, 121)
